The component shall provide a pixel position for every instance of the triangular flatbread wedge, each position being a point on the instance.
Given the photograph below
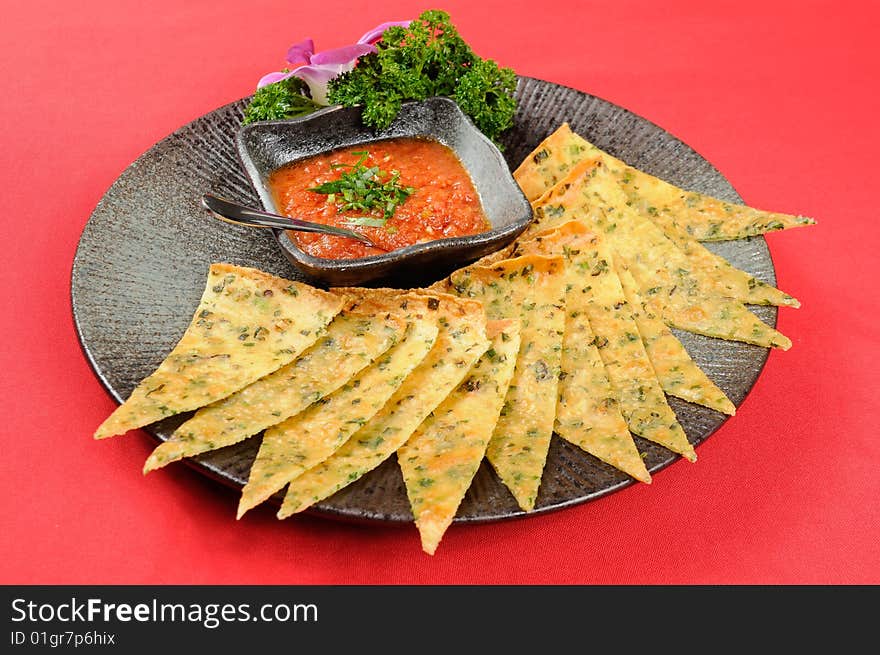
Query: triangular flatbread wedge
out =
(617, 339)
(641, 398)
(678, 374)
(442, 456)
(551, 161)
(248, 324)
(725, 279)
(354, 339)
(303, 441)
(666, 277)
(564, 154)
(699, 216)
(587, 410)
(461, 341)
(531, 289)
(720, 275)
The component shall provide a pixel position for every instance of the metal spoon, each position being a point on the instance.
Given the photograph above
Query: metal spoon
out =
(232, 212)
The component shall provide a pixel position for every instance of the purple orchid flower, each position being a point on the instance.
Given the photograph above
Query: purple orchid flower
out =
(317, 68)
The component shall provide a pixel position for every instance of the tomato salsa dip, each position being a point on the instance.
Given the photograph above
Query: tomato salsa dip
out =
(398, 192)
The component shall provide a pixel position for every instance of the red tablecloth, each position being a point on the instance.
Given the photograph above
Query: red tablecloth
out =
(780, 96)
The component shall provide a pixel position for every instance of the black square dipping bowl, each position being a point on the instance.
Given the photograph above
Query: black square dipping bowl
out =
(266, 146)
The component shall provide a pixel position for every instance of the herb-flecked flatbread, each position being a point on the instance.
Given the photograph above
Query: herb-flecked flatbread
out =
(724, 278)
(461, 341)
(700, 216)
(531, 289)
(565, 154)
(248, 324)
(666, 278)
(587, 410)
(697, 215)
(641, 398)
(305, 440)
(354, 339)
(551, 161)
(720, 276)
(678, 374)
(617, 338)
(442, 456)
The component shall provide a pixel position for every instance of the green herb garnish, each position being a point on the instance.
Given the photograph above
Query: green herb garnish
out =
(427, 59)
(279, 101)
(365, 189)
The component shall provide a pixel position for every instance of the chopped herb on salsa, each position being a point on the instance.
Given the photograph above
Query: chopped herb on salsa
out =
(349, 188)
(366, 189)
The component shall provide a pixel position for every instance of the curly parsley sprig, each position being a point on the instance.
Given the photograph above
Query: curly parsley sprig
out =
(278, 101)
(427, 59)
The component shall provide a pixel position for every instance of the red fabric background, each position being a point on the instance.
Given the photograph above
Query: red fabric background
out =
(781, 96)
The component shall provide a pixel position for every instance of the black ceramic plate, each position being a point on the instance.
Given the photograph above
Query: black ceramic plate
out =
(141, 263)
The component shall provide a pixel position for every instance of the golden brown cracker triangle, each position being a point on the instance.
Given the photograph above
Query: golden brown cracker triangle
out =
(354, 339)
(724, 278)
(641, 398)
(677, 372)
(587, 410)
(461, 341)
(444, 285)
(531, 289)
(593, 281)
(303, 441)
(720, 275)
(696, 215)
(666, 277)
(550, 161)
(247, 324)
(442, 456)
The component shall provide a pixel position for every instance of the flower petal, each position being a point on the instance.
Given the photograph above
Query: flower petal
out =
(271, 78)
(376, 33)
(301, 53)
(317, 78)
(320, 74)
(342, 55)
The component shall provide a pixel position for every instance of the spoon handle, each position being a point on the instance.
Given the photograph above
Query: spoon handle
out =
(232, 212)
